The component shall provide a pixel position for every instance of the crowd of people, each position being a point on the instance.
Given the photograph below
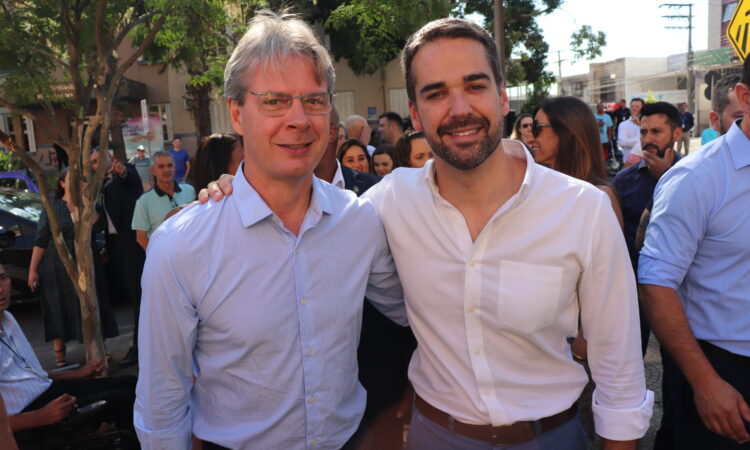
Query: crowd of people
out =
(502, 275)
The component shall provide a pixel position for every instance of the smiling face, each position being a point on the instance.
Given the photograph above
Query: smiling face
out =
(382, 163)
(354, 158)
(458, 104)
(286, 147)
(525, 127)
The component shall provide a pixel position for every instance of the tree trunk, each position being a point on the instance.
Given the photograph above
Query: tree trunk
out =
(18, 131)
(202, 110)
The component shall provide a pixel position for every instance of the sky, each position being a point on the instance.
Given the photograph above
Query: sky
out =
(634, 28)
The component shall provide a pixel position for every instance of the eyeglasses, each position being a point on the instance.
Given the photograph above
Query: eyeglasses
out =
(526, 125)
(536, 128)
(276, 104)
(5, 276)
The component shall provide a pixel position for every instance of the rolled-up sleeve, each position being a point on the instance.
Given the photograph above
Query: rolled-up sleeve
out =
(676, 229)
(166, 339)
(622, 405)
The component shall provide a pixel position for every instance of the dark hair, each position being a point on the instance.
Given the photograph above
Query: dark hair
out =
(746, 72)
(517, 125)
(638, 99)
(384, 149)
(393, 117)
(579, 153)
(719, 99)
(668, 109)
(213, 157)
(450, 28)
(402, 149)
(59, 191)
(347, 144)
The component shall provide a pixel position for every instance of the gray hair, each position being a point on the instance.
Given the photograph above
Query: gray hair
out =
(160, 154)
(271, 39)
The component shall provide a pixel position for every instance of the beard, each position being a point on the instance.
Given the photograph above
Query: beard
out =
(659, 151)
(466, 156)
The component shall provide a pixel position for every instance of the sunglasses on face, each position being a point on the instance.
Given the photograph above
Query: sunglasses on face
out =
(536, 127)
(526, 125)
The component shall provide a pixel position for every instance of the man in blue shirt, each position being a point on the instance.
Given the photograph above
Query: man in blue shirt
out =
(181, 160)
(252, 306)
(605, 128)
(660, 129)
(694, 272)
(155, 205)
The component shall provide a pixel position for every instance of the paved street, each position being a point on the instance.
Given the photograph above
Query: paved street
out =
(29, 316)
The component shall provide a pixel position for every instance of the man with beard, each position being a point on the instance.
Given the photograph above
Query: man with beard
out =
(498, 258)
(694, 271)
(660, 129)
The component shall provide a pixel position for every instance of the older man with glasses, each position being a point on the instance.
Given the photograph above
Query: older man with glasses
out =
(251, 313)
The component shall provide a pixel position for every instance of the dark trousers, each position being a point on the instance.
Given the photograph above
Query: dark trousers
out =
(127, 259)
(682, 427)
(119, 392)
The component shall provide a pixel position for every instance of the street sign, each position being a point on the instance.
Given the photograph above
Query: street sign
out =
(738, 30)
(144, 116)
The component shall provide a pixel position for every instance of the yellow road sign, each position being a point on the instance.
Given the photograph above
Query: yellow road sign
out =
(738, 30)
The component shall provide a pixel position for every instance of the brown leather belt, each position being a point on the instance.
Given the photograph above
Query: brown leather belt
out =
(512, 434)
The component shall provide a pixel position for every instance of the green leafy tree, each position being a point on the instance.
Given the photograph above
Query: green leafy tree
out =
(524, 45)
(60, 57)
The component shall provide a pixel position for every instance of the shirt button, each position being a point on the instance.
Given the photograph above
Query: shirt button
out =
(309, 352)
(312, 400)
(296, 250)
(303, 301)
(486, 392)
(476, 352)
(313, 441)
(471, 309)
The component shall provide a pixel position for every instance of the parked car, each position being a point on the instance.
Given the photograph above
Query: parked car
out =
(19, 214)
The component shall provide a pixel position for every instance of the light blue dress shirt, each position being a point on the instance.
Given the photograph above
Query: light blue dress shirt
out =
(22, 378)
(268, 322)
(698, 240)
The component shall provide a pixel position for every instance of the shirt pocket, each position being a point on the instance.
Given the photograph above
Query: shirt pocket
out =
(528, 295)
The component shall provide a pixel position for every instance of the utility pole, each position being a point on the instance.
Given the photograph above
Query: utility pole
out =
(500, 32)
(560, 90)
(689, 27)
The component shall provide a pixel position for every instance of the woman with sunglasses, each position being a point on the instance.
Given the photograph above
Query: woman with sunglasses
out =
(522, 129)
(566, 139)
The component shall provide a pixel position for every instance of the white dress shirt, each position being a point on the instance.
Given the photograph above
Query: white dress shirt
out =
(629, 138)
(492, 317)
(268, 322)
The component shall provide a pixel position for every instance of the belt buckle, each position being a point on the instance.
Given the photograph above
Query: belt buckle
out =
(493, 437)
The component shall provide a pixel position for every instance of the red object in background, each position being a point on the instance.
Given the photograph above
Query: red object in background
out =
(611, 107)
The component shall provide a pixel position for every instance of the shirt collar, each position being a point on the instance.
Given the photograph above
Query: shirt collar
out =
(338, 177)
(738, 144)
(253, 209)
(161, 193)
(512, 148)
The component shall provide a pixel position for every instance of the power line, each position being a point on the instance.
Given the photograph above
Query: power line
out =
(689, 27)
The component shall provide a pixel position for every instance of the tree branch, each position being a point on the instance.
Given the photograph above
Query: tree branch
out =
(54, 222)
(17, 110)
